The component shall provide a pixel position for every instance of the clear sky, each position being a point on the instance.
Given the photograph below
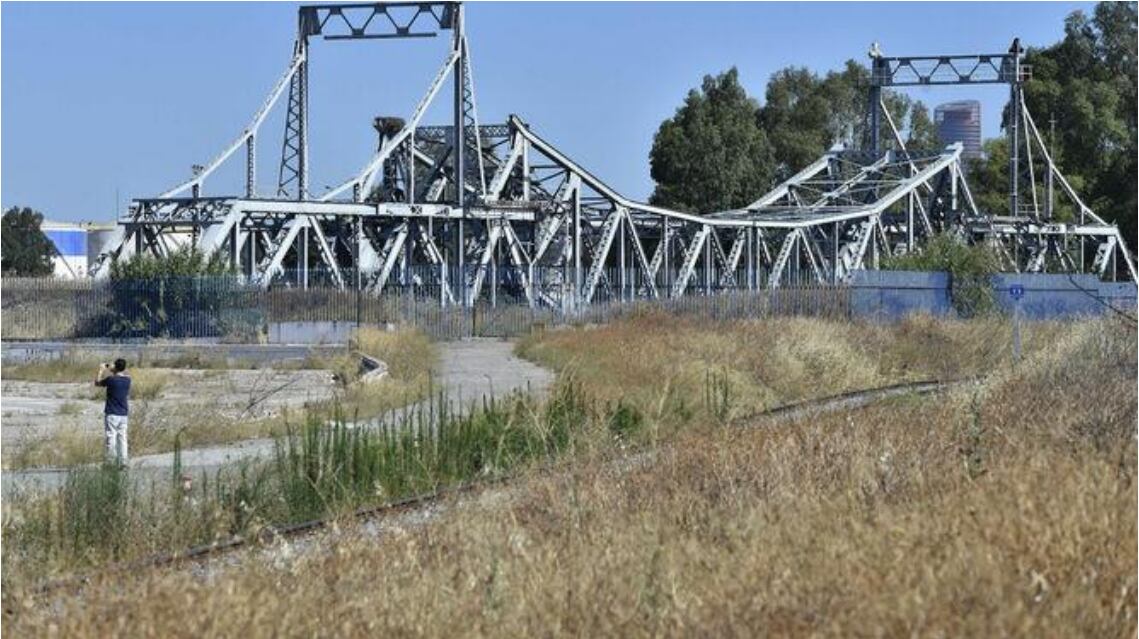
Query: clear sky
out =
(122, 98)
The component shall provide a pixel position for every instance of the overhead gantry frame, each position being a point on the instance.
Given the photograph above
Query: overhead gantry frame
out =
(528, 223)
(1032, 236)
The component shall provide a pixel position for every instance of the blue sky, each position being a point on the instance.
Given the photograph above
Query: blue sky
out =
(122, 98)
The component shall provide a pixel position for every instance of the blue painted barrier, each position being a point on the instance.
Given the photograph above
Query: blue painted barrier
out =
(891, 295)
(1048, 296)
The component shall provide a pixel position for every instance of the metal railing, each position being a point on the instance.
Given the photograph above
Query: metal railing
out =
(231, 309)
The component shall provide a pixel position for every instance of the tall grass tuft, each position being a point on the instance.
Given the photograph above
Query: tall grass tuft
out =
(323, 468)
(853, 522)
(95, 506)
(319, 468)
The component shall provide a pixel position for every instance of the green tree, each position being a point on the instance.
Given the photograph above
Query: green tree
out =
(922, 133)
(845, 92)
(1087, 83)
(970, 267)
(798, 120)
(721, 150)
(26, 250)
(179, 263)
(181, 294)
(804, 114)
(712, 154)
(988, 176)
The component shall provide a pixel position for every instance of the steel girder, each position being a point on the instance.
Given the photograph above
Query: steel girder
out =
(473, 212)
(547, 231)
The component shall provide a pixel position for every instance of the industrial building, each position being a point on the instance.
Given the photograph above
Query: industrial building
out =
(70, 242)
(77, 246)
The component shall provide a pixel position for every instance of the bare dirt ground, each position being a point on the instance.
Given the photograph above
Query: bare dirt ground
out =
(468, 371)
(36, 410)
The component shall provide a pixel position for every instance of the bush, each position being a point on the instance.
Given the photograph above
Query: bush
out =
(970, 267)
(179, 295)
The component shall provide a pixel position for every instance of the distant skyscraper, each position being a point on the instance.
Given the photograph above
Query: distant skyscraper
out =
(960, 122)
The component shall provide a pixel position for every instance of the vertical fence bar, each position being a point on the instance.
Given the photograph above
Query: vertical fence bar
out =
(218, 306)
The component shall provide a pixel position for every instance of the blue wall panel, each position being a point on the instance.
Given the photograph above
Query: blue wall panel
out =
(891, 295)
(1049, 296)
(69, 242)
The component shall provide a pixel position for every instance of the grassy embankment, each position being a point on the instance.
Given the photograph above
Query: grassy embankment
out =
(664, 366)
(1003, 508)
(156, 425)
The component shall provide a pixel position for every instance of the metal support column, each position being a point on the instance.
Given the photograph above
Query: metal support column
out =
(251, 166)
(1014, 130)
(526, 170)
(253, 254)
(834, 251)
(358, 246)
(458, 140)
(910, 221)
(460, 275)
(708, 262)
(879, 72)
(234, 258)
(411, 171)
(621, 256)
(304, 257)
(751, 252)
(576, 246)
(494, 255)
(302, 184)
(666, 280)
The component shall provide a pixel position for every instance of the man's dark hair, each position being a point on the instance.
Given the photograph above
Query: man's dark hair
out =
(120, 365)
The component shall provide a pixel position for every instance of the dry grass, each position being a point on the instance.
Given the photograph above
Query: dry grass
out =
(411, 358)
(1007, 508)
(158, 428)
(146, 383)
(68, 445)
(78, 365)
(64, 369)
(69, 409)
(659, 363)
(152, 430)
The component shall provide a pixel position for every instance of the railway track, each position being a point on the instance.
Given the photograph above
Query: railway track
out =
(842, 401)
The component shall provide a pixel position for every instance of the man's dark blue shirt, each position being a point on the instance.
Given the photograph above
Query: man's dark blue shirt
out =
(118, 390)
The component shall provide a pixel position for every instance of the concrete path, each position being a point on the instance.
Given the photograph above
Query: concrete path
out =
(468, 370)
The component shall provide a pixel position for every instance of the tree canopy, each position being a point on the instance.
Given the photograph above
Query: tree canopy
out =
(26, 250)
(1087, 82)
(712, 154)
(722, 149)
(183, 262)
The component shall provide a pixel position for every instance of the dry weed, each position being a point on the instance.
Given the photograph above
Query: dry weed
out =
(1007, 508)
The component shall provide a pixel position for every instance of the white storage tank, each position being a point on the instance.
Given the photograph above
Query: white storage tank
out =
(70, 242)
(99, 237)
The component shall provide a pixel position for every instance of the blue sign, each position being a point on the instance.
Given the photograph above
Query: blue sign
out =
(1016, 291)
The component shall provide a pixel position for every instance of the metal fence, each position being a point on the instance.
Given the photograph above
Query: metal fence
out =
(230, 309)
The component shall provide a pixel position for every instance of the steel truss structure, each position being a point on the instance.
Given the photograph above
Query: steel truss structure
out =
(476, 212)
(1036, 235)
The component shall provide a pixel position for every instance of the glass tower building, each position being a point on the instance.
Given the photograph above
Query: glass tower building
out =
(960, 122)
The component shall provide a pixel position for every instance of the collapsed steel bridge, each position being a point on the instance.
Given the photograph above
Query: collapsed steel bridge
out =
(470, 212)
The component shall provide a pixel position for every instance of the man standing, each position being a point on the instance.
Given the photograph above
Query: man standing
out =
(115, 409)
